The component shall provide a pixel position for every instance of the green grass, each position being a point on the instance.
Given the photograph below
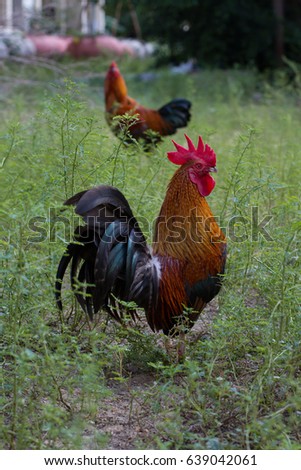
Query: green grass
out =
(239, 386)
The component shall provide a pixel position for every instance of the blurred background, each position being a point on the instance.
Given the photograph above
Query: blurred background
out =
(223, 33)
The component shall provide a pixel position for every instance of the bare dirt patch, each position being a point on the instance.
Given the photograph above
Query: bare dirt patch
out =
(126, 417)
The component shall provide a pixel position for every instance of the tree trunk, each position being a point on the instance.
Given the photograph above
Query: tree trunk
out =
(279, 33)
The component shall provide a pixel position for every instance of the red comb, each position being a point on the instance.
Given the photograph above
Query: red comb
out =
(113, 70)
(202, 152)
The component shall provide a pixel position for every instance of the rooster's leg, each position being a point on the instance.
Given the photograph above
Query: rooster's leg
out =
(181, 347)
(168, 346)
(175, 347)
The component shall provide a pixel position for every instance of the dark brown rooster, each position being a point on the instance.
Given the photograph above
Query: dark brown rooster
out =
(164, 121)
(175, 278)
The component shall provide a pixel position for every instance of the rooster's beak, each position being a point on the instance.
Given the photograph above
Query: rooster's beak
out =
(212, 169)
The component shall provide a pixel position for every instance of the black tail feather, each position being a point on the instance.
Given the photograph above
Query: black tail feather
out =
(176, 112)
(109, 257)
(62, 267)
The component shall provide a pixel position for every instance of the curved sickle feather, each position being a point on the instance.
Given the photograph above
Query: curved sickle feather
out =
(110, 255)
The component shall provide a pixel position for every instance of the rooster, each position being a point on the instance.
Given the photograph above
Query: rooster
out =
(164, 121)
(175, 278)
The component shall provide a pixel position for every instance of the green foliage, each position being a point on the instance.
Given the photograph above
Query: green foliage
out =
(239, 385)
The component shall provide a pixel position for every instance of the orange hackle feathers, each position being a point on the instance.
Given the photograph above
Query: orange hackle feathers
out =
(186, 231)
